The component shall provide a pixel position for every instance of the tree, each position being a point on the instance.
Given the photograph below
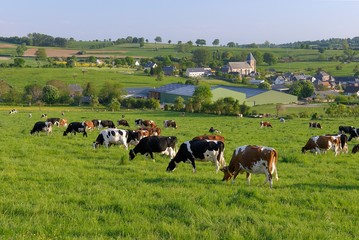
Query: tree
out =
(32, 93)
(269, 58)
(231, 44)
(89, 90)
(41, 54)
(50, 94)
(179, 103)
(19, 62)
(264, 85)
(202, 96)
(200, 42)
(115, 105)
(21, 49)
(201, 56)
(160, 76)
(302, 89)
(110, 91)
(158, 39)
(169, 41)
(215, 42)
(258, 56)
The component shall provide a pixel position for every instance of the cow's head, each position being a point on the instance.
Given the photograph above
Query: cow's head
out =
(132, 154)
(227, 174)
(171, 166)
(65, 133)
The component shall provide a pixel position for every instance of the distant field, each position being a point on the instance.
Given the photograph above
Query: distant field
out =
(56, 187)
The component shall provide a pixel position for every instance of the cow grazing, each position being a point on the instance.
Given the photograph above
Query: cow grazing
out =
(318, 144)
(354, 133)
(252, 159)
(345, 129)
(42, 127)
(212, 130)
(265, 124)
(103, 123)
(123, 122)
(54, 121)
(209, 137)
(116, 136)
(63, 122)
(315, 125)
(282, 120)
(152, 131)
(145, 123)
(89, 125)
(76, 127)
(30, 115)
(13, 111)
(155, 144)
(355, 149)
(206, 150)
(44, 115)
(343, 141)
(169, 123)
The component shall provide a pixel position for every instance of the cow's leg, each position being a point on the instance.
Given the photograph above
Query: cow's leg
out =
(151, 154)
(234, 176)
(193, 165)
(248, 176)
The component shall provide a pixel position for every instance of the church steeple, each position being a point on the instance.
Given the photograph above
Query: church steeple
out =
(251, 61)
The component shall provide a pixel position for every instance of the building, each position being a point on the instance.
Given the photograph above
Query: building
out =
(242, 68)
(198, 72)
(251, 96)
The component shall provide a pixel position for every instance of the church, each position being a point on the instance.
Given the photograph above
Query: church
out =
(243, 68)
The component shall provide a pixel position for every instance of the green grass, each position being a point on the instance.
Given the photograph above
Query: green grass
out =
(55, 187)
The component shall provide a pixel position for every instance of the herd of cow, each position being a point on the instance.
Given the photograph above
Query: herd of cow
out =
(147, 140)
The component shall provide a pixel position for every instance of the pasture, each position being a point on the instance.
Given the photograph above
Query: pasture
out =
(56, 187)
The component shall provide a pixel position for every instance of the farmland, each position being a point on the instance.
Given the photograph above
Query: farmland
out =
(56, 187)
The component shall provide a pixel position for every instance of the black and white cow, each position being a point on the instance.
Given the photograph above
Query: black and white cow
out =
(75, 127)
(13, 111)
(354, 133)
(117, 137)
(42, 127)
(345, 129)
(155, 144)
(206, 150)
(54, 121)
(103, 123)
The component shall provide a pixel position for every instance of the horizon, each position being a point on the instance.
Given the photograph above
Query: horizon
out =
(274, 21)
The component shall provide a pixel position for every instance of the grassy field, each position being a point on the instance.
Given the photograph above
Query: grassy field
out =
(55, 187)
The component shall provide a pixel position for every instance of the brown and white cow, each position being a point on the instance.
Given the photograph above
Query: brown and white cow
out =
(156, 131)
(123, 122)
(209, 137)
(265, 124)
(63, 122)
(169, 123)
(89, 125)
(252, 159)
(343, 141)
(319, 144)
(145, 123)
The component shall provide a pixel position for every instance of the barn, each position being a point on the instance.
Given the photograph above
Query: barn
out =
(252, 96)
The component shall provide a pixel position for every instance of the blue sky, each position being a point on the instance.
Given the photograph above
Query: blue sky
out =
(255, 21)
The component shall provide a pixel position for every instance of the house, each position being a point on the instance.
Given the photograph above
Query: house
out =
(75, 90)
(198, 72)
(139, 92)
(347, 81)
(242, 68)
(280, 80)
(169, 70)
(323, 76)
(149, 65)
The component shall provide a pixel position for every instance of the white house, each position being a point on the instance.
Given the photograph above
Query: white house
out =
(198, 72)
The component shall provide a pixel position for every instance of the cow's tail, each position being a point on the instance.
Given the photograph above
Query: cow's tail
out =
(274, 163)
